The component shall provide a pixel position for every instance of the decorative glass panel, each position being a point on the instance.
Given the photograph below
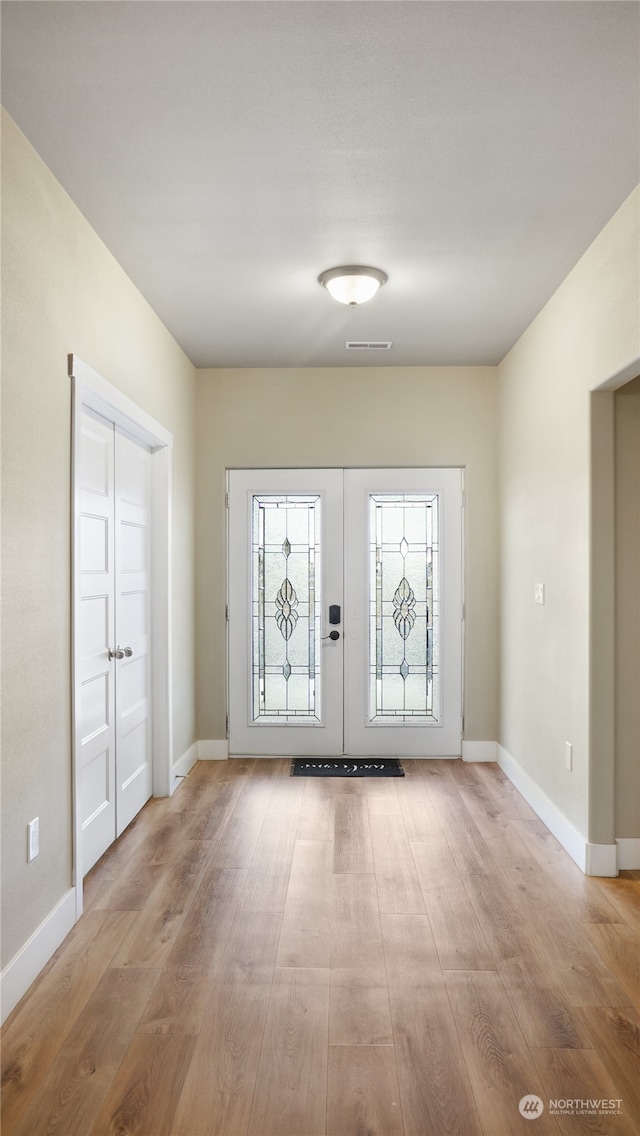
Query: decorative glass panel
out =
(403, 608)
(286, 608)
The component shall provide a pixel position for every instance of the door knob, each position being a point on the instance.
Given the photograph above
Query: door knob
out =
(120, 652)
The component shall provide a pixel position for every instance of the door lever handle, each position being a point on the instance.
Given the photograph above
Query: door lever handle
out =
(332, 635)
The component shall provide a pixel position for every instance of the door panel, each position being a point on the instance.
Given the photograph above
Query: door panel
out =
(403, 599)
(114, 710)
(285, 541)
(393, 683)
(133, 578)
(97, 629)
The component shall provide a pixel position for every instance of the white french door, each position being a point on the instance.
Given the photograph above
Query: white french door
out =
(345, 612)
(114, 708)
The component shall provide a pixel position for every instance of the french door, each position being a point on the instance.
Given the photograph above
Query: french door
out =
(345, 612)
(114, 481)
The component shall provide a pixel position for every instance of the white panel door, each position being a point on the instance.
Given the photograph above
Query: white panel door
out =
(133, 579)
(285, 672)
(113, 633)
(390, 681)
(96, 709)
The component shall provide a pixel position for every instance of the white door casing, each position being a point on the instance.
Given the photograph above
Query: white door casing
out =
(91, 392)
(392, 682)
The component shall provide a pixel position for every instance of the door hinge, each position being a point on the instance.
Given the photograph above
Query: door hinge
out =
(464, 612)
(227, 726)
(226, 612)
(226, 499)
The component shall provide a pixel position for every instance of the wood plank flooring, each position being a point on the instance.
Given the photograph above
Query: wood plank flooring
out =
(268, 956)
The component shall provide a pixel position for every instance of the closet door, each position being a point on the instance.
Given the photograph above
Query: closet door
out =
(134, 781)
(96, 636)
(114, 633)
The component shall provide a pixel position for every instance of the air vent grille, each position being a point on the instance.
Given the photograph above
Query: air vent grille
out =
(368, 345)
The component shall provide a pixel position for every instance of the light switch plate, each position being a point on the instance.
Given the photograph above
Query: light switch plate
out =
(33, 839)
(538, 593)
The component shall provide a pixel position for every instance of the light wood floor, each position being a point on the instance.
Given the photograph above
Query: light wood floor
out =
(272, 956)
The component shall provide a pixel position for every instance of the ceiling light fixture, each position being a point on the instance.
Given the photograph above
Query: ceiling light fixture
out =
(352, 283)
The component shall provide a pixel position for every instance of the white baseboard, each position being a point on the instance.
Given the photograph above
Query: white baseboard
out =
(213, 750)
(601, 860)
(24, 968)
(628, 853)
(184, 764)
(479, 751)
(592, 859)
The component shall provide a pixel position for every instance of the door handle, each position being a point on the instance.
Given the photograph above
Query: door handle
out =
(120, 652)
(332, 635)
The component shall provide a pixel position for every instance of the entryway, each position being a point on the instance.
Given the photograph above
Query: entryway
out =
(345, 612)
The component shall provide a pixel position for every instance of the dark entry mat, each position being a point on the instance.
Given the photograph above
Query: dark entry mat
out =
(346, 767)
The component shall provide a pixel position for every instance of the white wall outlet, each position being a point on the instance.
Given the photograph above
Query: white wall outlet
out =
(33, 839)
(538, 593)
(568, 755)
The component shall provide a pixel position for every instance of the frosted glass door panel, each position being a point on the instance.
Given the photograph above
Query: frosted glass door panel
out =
(403, 612)
(287, 607)
(285, 569)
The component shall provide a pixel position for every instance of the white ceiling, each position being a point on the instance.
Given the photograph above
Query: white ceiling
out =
(228, 152)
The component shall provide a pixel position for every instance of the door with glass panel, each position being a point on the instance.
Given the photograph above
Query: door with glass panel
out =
(345, 612)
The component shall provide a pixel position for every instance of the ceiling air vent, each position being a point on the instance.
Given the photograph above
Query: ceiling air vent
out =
(368, 345)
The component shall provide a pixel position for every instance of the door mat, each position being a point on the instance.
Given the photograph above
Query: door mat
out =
(346, 767)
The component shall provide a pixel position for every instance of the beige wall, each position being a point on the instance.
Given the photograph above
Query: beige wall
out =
(587, 331)
(350, 417)
(627, 620)
(63, 292)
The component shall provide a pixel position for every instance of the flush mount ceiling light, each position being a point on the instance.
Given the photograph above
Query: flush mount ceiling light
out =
(352, 283)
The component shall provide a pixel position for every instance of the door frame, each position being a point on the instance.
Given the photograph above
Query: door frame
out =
(91, 391)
